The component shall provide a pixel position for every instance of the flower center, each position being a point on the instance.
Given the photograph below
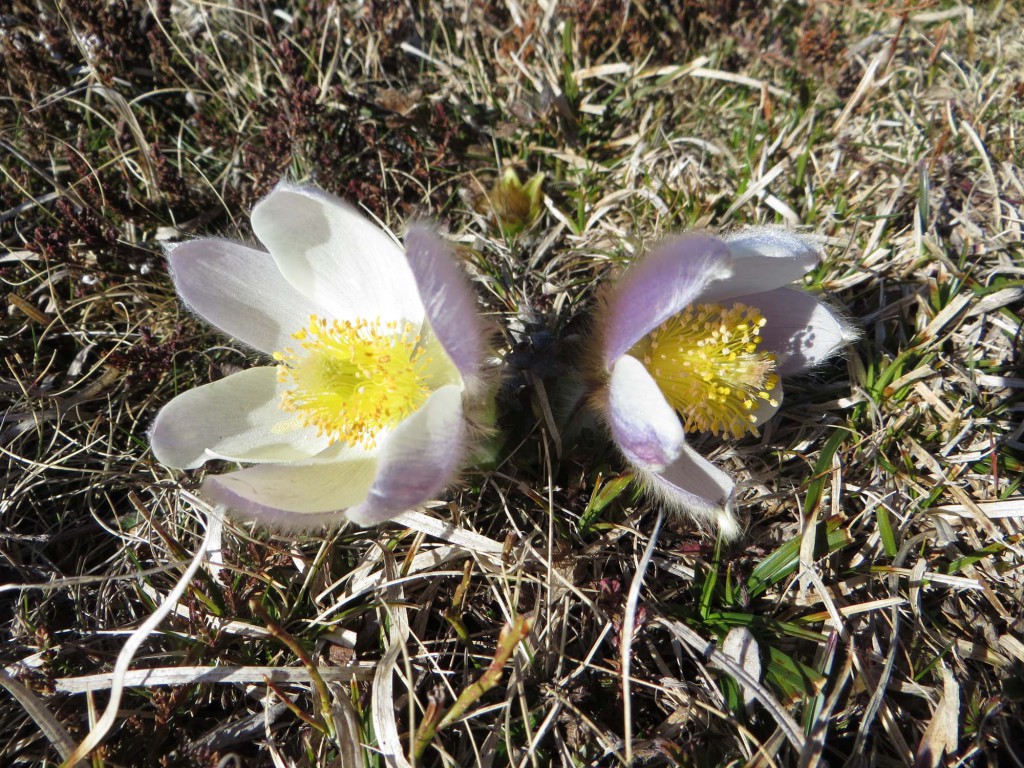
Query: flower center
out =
(353, 378)
(706, 363)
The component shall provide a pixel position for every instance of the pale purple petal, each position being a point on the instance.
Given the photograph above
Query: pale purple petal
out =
(695, 486)
(658, 286)
(237, 418)
(332, 253)
(448, 299)
(800, 330)
(240, 291)
(418, 459)
(297, 496)
(643, 424)
(764, 258)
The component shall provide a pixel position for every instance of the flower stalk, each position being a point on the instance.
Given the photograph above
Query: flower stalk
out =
(323, 696)
(511, 635)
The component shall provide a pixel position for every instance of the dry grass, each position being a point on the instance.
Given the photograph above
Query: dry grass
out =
(880, 569)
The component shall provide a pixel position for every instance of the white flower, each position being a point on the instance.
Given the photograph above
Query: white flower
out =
(694, 337)
(378, 351)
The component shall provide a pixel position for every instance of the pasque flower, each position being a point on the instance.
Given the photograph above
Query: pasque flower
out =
(378, 355)
(694, 337)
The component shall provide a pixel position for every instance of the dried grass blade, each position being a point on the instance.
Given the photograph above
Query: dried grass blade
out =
(811, 756)
(440, 529)
(385, 725)
(628, 630)
(706, 649)
(756, 188)
(943, 733)
(346, 725)
(41, 716)
(167, 676)
(124, 658)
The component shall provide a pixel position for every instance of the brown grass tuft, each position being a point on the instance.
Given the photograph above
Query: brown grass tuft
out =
(879, 571)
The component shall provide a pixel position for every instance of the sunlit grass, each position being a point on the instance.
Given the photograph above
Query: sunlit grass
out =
(879, 569)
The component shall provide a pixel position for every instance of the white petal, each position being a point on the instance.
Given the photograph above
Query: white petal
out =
(298, 496)
(644, 426)
(694, 486)
(418, 459)
(240, 291)
(333, 254)
(768, 408)
(800, 330)
(435, 366)
(764, 258)
(237, 418)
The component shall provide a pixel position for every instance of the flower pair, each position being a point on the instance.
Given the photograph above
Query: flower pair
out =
(379, 353)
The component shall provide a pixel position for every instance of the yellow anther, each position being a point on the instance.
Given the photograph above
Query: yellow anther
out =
(709, 368)
(351, 379)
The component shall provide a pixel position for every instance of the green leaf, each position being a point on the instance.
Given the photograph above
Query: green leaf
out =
(830, 537)
(885, 531)
(707, 591)
(731, 692)
(794, 679)
(605, 492)
(975, 557)
(823, 468)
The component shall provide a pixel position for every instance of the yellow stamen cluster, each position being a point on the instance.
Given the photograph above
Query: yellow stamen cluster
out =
(706, 363)
(353, 378)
